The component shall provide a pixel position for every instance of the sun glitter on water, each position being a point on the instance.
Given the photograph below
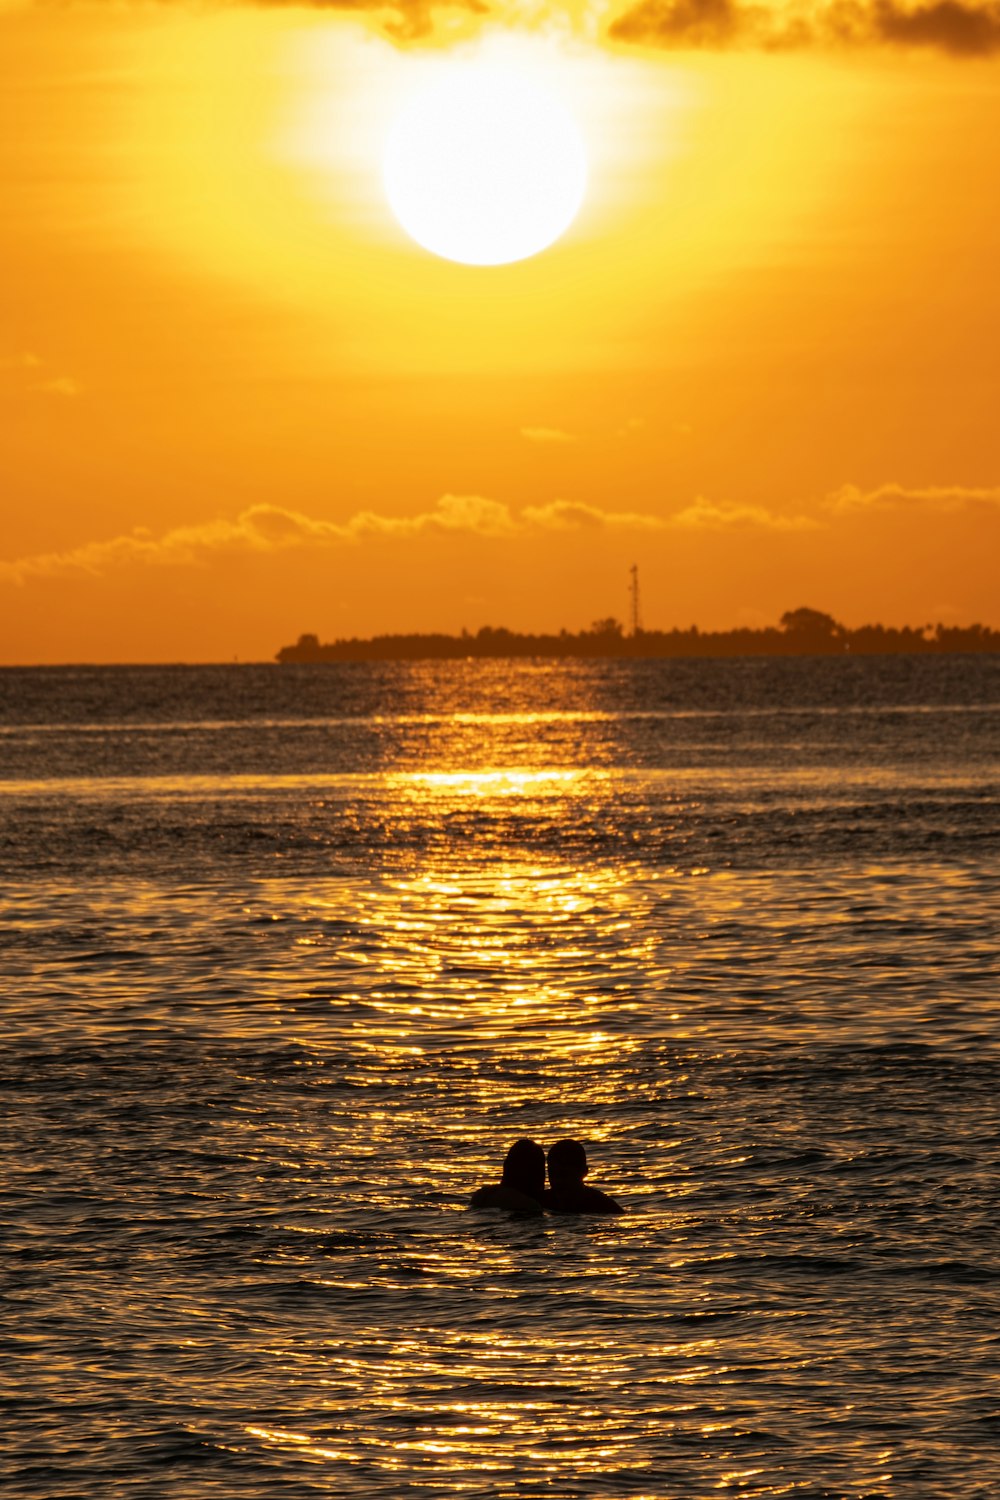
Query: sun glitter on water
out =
(483, 165)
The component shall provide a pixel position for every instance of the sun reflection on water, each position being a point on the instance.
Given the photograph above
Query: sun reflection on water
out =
(284, 994)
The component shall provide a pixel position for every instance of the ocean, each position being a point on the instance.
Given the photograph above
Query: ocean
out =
(291, 955)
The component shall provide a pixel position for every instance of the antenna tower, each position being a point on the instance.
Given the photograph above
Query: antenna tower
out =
(634, 592)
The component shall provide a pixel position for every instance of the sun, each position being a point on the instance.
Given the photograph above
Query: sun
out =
(483, 165)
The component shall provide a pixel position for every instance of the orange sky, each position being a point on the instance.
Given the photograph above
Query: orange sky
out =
(237, 403)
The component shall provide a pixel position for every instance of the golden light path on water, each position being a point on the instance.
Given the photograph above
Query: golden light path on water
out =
(479, 1009)
(292, 1057)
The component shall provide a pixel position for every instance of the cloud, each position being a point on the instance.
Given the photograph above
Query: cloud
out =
(547, 435)
(266, 529)
(62, 385)
(706, 515)
(25, 374)
(23, 361)
(850, 501)
(260, 529)
(962, 28)
(404, 20)
(269, 529)
(572, 515)
(953, 26)
(453, 513)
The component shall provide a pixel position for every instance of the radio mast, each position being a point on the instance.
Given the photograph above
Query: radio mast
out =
(634, 592)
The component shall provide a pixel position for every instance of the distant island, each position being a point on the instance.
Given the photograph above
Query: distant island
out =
(800, 632)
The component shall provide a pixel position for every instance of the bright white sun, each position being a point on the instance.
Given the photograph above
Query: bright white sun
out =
(483, 165)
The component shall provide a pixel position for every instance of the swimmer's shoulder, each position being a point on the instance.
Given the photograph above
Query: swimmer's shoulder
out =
(583, 1200)
(500, 1196)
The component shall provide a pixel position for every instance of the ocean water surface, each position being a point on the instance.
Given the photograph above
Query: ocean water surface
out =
(291, 955)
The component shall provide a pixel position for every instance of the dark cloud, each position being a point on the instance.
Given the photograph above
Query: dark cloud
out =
(947, 25)
(686, 23)
(964, 30)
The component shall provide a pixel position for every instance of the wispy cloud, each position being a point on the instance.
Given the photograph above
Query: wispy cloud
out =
(60, 385)
(260, 529)
(20, 361)
(266, 529)
(707, 515)
(25, 373)
(572, 515)
(849, 500)
(952, 26)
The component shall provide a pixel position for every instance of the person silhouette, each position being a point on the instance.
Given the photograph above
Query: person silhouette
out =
(568, 1193)
(522, 1185)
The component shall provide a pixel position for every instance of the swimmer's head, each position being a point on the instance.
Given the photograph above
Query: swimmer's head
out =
(567, 1163)
(524, 1168)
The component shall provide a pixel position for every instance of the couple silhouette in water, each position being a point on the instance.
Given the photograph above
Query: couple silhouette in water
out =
(522, 1190)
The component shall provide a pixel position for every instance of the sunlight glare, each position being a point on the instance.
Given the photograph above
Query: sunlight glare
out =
(483, 165)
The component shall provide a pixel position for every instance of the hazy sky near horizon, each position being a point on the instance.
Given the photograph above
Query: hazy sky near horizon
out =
(237, 402)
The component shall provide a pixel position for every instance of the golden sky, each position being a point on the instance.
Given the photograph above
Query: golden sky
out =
(237, 402)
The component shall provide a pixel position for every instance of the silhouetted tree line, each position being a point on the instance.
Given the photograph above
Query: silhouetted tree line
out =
(801, 632)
